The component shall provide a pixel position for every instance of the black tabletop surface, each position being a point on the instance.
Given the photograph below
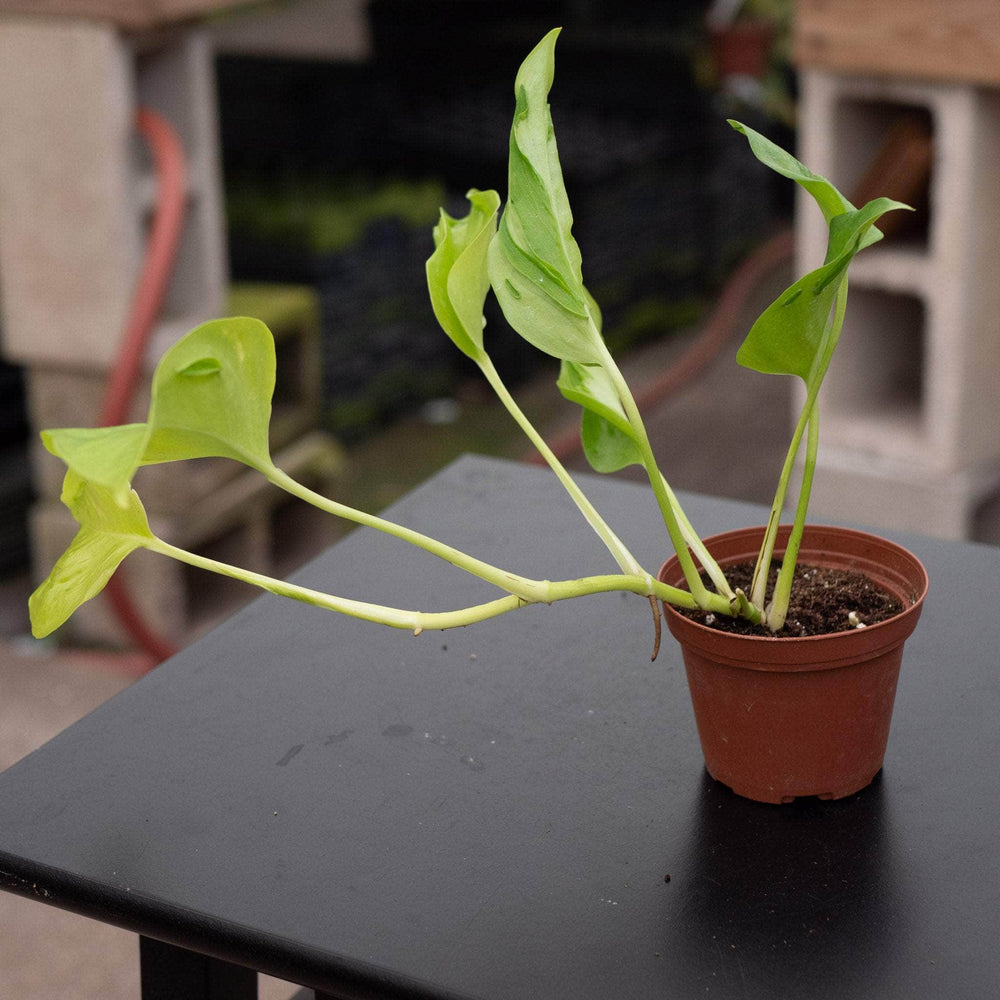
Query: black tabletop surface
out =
(519, 809)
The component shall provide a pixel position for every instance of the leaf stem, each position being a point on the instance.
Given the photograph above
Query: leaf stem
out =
(778, 608)
(626, 561)
(831, 334)
(698, 547)
(519, 586)
(418, 621)
(664, 496)
(758, 585)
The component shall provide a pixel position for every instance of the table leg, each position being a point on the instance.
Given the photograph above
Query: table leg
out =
(172, 973)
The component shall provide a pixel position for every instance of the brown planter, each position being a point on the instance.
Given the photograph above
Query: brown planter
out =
(782, 718)
(742, 49)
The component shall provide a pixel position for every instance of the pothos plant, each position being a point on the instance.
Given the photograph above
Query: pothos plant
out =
(211, 396)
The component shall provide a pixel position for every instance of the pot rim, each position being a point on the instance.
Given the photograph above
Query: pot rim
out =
(907, 579)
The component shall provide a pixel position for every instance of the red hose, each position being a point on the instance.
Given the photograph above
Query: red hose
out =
(161, 252)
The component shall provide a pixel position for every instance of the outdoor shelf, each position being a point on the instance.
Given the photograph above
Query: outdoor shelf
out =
(517, 809)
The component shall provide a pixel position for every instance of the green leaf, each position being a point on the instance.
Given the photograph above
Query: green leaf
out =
(109, 531)
(608, 448)
(457, 275)
(854, 230)
(788, 337)
(591, 387)
(534, 261)
(839, 213)
(211, 395)
(107, 456)
(608, 438)
(829, 199)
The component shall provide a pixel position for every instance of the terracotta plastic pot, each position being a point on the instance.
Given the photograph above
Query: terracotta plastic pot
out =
(742, 49)
(783, 718)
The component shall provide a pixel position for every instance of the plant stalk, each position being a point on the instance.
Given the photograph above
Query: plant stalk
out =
(778, 608)
(831, 334)
(418, 621)
(525, 589)
(626, 561)
(664, 497)
(698, 547)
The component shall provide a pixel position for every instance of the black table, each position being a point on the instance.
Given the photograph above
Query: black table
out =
(494, 812)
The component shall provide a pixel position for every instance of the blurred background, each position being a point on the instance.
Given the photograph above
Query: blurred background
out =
(164, 163)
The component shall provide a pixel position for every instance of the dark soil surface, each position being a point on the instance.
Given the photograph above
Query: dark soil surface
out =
(822, 601)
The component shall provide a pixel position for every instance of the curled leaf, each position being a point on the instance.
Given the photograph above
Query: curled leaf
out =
(534, 261)
(109, 531)
(829, 199)
(105, 456)
(788, 337)
(608, 438)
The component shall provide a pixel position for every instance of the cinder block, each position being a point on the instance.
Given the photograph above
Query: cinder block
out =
(916, 370)
(888, 493)
(70, 238)
(247, 522)
(78, 186)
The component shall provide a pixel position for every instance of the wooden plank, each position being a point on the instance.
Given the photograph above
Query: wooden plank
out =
(131, 14)
(956, 41)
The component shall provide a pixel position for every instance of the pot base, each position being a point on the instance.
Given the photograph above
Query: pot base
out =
(760, 793)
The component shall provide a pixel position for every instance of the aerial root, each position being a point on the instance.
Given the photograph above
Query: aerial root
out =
(657, 624)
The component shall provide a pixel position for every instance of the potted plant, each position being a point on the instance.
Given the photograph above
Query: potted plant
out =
(211, 395)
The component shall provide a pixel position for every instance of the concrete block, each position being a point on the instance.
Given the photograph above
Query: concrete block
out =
(887, 493)
(915, 376)
(78, 188)
(174, 75)
(69, 239)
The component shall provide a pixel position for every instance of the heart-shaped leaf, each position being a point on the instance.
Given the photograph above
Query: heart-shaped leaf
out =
(212, 393)
(457, 275)
(211, 397)
(109, 531)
